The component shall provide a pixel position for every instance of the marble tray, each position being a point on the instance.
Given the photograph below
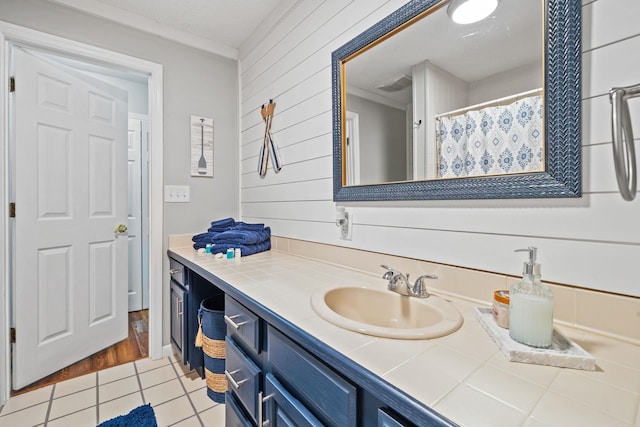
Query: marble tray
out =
(562, 353)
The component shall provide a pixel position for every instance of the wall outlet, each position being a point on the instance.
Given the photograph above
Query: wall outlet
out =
(176, 194)
(349, 230)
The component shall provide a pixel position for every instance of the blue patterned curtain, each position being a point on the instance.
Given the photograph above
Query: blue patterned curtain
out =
(493, 140)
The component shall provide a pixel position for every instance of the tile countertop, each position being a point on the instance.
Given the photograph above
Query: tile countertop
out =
(463, 376)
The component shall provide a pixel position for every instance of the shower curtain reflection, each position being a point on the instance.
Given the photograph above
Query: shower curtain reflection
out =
(497, 139)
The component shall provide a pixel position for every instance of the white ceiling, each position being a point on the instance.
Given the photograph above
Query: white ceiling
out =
(509, 38)
(219, 26)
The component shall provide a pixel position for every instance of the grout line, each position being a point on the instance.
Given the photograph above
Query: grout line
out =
(184, 419)
(70, 413)
(135, 368)
(97, 399)
(46, 417)
(187, 394)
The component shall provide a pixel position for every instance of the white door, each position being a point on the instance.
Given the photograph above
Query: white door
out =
(70, 275)
(353, 148)
(135, 214)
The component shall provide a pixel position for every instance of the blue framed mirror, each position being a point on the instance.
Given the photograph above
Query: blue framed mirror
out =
(425, 108)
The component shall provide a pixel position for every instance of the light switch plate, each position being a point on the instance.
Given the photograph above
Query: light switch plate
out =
(176, 194)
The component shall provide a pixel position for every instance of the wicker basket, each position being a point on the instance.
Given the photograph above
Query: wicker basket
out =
(211, 317)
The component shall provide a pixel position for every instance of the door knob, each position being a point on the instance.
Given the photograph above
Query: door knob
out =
(121, 229)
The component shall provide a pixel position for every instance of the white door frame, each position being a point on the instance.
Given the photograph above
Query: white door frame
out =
(14, 34)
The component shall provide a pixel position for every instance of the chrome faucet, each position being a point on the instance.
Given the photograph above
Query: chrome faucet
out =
(399, 283)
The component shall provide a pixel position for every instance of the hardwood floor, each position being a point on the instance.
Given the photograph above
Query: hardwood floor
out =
(134, 347)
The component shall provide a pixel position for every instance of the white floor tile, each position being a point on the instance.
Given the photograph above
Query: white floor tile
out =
(26, 417)
(116, 373)
(27, 399)
(147, 364)
(118, 388)
(213, 416)
(181, 368)
(201, 401)
(120, 406)
(74, 385)
(73, 403)
(87, 417)
(191, 422)
(173, 411)
(192, 381)
(164, 392)
(157, 376)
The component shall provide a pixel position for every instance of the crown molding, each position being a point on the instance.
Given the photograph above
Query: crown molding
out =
(105, 11)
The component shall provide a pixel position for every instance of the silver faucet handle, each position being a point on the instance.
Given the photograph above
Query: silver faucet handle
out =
(389, 273)
(420, 288)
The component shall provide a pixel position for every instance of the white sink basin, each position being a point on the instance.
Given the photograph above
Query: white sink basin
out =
(383, 313)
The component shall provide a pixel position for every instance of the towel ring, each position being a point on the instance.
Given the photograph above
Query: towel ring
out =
(624, 156)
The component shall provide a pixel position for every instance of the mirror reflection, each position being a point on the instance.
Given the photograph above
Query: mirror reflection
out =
(441, 100)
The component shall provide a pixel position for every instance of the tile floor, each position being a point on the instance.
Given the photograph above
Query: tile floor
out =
(178, 397)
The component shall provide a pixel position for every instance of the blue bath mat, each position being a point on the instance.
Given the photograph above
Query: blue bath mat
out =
(142, 416)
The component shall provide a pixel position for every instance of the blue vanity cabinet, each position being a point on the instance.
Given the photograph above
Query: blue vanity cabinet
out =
(243, 325)
(386, 419)
(234, 416)
(243, 364)
(243, 378)
(283, 409)
(313, 385)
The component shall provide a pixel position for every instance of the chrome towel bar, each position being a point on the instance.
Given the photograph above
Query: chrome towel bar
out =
(624, 156)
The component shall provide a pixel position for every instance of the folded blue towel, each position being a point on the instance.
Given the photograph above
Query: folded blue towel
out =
(227, 222)
(227, 233)
(222, 225)
(246, 226)
(205, 237)
(244, 237)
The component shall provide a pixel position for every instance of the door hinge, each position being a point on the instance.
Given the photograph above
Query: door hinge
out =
(12, 210)
(12, 84)
(12, 335)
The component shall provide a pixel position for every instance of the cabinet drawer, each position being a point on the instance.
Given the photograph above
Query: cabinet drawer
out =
(178, 302)
(242, 324)
(328, 395)
(386, 419)
(284, 410)
(234, 417)
(243, 377)
(177, 272)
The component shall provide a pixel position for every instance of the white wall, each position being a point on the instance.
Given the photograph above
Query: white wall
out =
(511, 82)
(591, 242)
(436, 91)
(383, 141)
(195, 83)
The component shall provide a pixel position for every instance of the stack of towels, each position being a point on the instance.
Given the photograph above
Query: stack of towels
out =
(227, 233)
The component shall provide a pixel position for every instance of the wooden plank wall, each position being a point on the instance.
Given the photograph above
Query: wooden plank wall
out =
(591, 242)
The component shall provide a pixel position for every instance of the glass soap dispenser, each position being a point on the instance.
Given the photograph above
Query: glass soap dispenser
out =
(531, 306)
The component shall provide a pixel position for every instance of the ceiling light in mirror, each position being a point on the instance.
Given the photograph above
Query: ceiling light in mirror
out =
(470, 11)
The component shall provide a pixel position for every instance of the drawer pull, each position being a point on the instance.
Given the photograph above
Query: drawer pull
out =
(174, 271)
(262, 422)
(229, 321)
(234, 383)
